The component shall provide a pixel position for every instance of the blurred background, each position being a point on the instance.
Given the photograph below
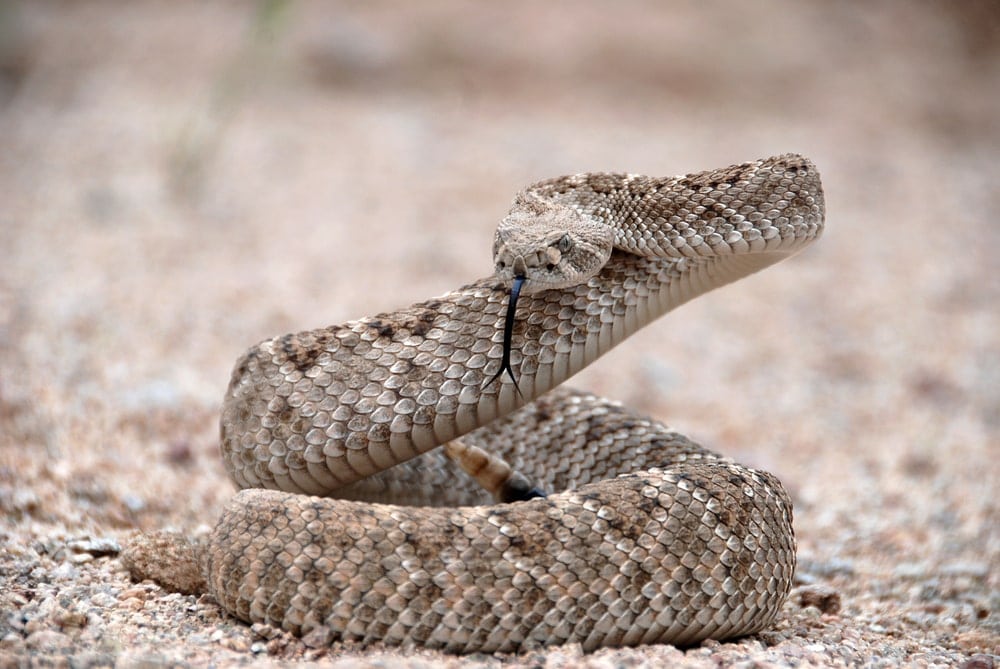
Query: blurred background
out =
(179, 180)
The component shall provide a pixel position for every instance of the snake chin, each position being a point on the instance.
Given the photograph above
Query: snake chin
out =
(550, 247)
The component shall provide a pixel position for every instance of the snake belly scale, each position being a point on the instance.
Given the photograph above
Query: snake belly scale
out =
(352, 519)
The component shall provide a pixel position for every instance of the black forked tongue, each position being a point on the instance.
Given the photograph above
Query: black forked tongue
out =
(508, 334)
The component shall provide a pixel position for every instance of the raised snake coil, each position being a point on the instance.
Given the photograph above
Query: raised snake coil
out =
(653, 538)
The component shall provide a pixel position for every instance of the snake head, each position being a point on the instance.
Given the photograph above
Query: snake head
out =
(549, 246)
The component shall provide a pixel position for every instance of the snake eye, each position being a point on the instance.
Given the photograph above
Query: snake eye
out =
(565, 243)
(501, 264)
(551, 267)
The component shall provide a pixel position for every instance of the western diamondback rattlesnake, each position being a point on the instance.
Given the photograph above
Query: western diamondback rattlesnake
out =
(653, 539)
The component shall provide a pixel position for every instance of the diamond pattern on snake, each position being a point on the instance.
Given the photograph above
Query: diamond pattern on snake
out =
(423, 478)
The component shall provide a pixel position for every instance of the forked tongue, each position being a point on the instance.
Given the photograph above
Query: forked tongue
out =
(508, 334)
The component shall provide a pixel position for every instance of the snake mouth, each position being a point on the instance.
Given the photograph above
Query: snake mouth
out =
(508, 333)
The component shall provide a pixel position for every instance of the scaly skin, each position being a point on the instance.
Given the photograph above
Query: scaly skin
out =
(657, 540)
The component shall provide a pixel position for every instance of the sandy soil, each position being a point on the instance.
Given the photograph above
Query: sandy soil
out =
(181, 180)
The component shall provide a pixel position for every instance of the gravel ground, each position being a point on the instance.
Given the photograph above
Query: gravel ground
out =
(181, 180)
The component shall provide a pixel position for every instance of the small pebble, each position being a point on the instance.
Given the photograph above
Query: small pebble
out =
(133, 503)
(132, 604)
(824, 598)
(135, 593)
(16, 599)
(238, 643)
(103, 600)
(99, 547)
(977, 570)
(320, 637)
(11, 642)
(65, 572)
(264, 631)
(48, 641)
(978, 661)
(911, 570)
(811, 612)
(179, 453)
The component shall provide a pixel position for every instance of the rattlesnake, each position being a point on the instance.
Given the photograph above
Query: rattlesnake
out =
(652, 539)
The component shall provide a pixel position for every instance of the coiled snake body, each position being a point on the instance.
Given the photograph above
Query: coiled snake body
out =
(652, 539)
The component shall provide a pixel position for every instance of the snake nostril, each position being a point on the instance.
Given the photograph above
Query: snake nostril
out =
(501, 264)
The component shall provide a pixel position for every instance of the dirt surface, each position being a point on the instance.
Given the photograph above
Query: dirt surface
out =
(181, 180)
